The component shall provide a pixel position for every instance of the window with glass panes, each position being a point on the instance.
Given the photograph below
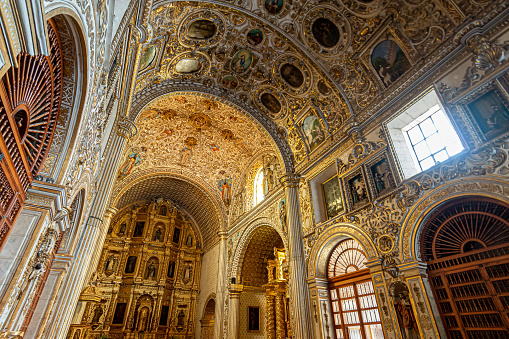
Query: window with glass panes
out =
(432, 138)
(354, 306)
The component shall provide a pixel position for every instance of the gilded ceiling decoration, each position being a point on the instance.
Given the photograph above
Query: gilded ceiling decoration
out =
(194, 134)
(291, 61)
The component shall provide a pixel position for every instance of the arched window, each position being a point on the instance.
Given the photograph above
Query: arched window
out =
(258, 187)
(354, 307)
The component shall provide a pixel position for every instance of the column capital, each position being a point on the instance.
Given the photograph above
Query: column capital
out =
(126, 128)
(110, 212)
(236, 290)
(222, 235)
(290, 180)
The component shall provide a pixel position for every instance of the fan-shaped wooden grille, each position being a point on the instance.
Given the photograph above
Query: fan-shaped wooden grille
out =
(347, 257)
(30, 97)
(465, 226)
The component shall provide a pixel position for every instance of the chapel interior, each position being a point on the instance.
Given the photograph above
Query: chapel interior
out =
(254, 169)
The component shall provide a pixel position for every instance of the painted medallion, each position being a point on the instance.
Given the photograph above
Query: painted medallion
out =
(389, 61)
(147, 56)
(254, 37)
(274, 6)
(241, 61)
(271, 102)
(201, 29)
(188, 66)
(292, 75)
(325, 32)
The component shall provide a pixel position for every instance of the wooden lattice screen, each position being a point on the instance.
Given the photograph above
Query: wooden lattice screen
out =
(466, 246)
(30, 97)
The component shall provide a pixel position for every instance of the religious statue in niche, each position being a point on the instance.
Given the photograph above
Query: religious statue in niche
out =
(332, 197)
(176, 235)
(143, 319)
(188, 273)
(189, 240)
(163, 210)
(268, 177)
(382, 176)
(98, 312)
(158, 235)
(118, 317)
(131, 264)
(491, 113)
(358, 191)
(389, 61)
(121, 230)
(180, 320)
(404, 311)
(171, 269)
(282, 214)
(151, 271)
(138, 229)
(108, 265)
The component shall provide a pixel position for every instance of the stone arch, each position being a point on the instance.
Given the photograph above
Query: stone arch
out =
(75, 87)
(151, 93)
(245, 237)
(424, 208)
(211, 297)
(326, 242)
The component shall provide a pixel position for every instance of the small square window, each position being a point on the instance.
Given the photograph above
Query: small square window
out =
(429, 140)
(422, 135)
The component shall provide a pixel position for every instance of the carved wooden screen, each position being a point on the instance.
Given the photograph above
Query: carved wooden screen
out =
(354, 306)
(466, 246)
(30, 97)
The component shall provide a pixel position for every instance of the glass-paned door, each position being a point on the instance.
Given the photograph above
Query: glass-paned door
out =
(355, 310)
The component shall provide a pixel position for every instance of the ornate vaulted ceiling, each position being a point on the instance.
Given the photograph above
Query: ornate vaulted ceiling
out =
(194, 134)
(206, 211)
(333, 62)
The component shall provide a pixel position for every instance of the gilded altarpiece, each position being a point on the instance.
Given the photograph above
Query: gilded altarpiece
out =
(147, 279)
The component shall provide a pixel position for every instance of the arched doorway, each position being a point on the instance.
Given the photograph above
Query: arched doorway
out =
(466, 247)
(354, 306)
(207, 321)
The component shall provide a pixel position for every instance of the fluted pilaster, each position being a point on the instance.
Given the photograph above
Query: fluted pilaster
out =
(92, 238)
(234, 314)
(299, 292)
(221, 285)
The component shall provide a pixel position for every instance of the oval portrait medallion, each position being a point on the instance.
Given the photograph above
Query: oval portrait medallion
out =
(292, 75)
(201, 29)
(188, 66)
(271, 103)
(274, 6)
(254, 37)
(147, 56)
(241, 61)
(325, 32)
(230, 82)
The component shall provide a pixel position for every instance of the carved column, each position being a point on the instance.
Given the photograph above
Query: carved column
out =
(299, 293)
(425, 309)
(234, 313)
(221, 285)
(280, 315)
(271, 315)
(92, 238)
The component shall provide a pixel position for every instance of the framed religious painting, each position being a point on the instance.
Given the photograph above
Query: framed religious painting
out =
(488, 108)
(253, 318)
(332, 197)
(356, 189)
(381, 174)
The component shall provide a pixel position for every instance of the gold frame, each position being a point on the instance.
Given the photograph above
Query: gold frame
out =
(342, 197)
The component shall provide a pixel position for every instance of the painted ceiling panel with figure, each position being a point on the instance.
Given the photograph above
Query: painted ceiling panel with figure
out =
(194, 134)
